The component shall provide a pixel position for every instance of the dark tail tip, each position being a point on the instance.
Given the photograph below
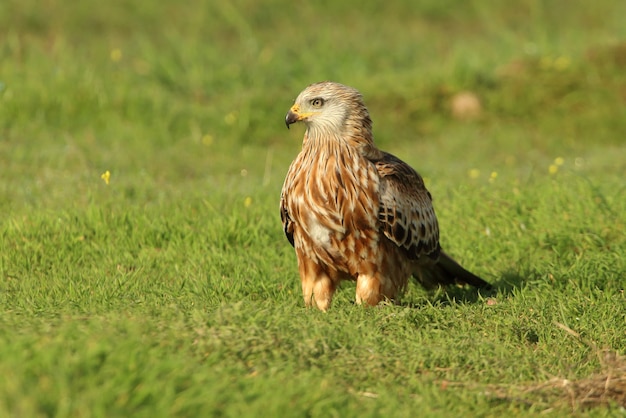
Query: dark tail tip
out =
(457, 273)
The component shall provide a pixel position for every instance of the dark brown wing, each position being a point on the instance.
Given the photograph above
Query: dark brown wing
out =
(286, 220)
(406, 210)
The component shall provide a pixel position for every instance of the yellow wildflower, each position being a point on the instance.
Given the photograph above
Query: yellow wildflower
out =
(247, 201)
(116, 55)
(106, 176)
(207, 139)
(474, 173)
(561, 63)
(230, 118)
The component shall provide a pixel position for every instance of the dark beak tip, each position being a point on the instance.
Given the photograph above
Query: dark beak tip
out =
(290, 118)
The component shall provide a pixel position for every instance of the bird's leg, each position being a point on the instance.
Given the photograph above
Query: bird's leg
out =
(317, 285)
(368, 289)
(319, 289)
(307, 291)
(323, 292)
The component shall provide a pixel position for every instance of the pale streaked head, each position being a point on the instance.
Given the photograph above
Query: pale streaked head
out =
(326, 106)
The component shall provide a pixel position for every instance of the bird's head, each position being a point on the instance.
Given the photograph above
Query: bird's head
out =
(329, 108)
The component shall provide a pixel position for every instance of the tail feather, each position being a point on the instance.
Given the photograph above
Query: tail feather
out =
(447, 271)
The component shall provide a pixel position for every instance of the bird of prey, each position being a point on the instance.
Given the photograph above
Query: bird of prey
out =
(354, 212)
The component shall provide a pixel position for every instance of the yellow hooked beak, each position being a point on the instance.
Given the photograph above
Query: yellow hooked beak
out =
(294, 115)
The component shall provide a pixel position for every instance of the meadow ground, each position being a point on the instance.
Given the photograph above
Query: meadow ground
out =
(166, 287)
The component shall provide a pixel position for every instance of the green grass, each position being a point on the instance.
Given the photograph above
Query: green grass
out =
(172, 291)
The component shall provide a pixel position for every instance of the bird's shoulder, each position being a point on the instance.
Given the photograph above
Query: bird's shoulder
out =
(395, 172)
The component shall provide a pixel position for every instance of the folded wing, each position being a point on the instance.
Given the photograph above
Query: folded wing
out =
(406, 210)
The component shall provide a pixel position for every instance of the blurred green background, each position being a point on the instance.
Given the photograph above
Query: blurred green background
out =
(161, 93)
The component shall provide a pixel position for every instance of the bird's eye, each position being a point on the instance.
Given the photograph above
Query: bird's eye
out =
(319, 102)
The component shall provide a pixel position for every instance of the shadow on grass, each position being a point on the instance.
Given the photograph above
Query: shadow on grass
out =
(509, 281)
(504, 286)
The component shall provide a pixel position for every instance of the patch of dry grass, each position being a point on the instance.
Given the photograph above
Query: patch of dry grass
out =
(604, 388)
